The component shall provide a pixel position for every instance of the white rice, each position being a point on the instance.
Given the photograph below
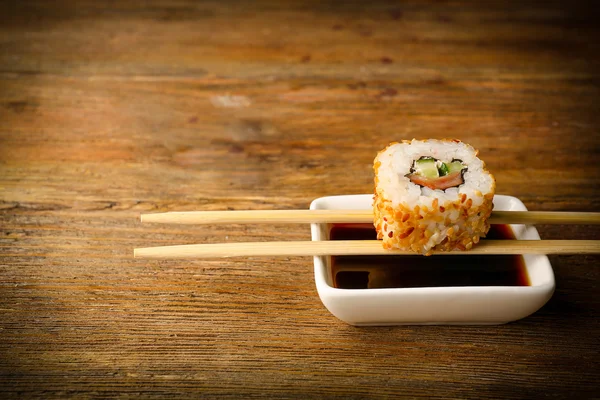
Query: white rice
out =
(397, 160)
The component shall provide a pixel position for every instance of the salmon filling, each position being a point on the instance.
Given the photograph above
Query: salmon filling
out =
(436, 174)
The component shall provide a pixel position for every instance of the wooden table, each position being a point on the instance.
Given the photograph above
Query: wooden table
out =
(112, 109)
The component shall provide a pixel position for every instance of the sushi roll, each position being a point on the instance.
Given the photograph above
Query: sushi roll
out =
(431, 195)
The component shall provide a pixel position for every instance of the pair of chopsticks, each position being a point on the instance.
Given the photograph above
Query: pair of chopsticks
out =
(356, 247)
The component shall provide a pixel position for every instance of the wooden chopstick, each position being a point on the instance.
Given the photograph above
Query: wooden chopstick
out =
(356, 247)
(360, 247)
(353, 216)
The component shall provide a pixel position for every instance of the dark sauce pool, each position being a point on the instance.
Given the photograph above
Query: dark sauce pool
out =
(371, 272)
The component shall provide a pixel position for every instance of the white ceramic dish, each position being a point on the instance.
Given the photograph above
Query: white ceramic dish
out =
(470, 305)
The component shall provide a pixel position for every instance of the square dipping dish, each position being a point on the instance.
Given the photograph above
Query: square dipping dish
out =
(438, 289)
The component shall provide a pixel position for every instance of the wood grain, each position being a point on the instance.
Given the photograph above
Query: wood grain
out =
(113, 109)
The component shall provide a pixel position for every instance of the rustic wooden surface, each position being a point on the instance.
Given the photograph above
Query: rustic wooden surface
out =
(110, 109)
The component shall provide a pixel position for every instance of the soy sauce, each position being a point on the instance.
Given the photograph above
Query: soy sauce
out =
(371, 272)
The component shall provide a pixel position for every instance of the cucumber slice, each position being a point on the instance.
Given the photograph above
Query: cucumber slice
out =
(455, 166)
(443, 169)
(426, 167)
